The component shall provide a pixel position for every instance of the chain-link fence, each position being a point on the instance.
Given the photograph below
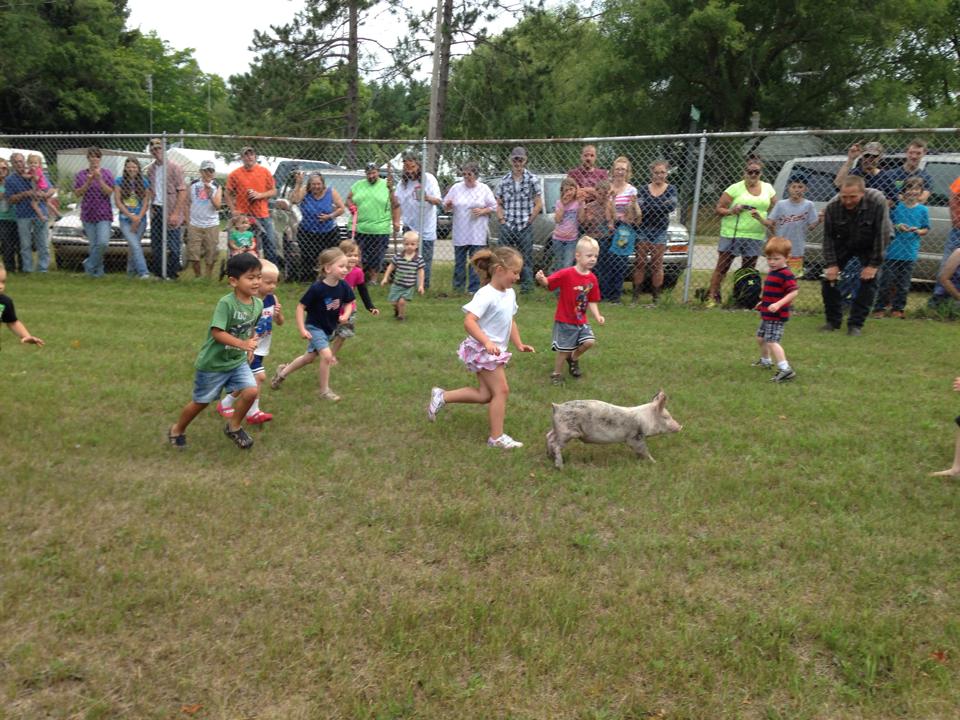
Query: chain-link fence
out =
(670, 235)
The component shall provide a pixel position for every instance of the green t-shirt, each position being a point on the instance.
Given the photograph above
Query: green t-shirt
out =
(374, 212)
(744, 225)
(6, 209)
(235, 318)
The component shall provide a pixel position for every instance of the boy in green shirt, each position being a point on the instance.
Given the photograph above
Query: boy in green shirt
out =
(222, 362)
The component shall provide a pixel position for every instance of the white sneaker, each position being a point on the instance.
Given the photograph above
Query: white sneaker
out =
(436, 402)
(505, 442)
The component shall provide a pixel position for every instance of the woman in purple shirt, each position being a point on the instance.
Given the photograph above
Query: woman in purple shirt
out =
(318, 230)
(94, 187)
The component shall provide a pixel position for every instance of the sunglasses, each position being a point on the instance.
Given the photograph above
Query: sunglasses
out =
(752, 172)
(518, 159)
(870, 155)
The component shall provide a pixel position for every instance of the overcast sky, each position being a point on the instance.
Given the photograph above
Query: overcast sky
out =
(220, 34)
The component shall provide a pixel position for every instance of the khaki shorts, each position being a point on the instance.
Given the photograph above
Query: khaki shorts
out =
(202, 243)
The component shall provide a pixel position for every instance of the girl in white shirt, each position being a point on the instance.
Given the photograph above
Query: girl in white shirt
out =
(490, 326)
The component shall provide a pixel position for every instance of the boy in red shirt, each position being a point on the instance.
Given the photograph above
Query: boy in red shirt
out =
(779, 292)
(579, 291)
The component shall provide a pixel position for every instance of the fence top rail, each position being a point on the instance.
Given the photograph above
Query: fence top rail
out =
(492, 141)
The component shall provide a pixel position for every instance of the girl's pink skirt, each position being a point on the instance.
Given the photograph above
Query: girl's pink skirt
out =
(476, 358)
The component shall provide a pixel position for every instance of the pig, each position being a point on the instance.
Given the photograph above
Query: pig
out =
(594, 421)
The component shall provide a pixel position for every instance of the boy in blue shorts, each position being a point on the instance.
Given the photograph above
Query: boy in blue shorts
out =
(579, 293)
(222, 362)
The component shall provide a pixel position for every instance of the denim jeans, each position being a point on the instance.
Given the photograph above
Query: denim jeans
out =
(953, 242)
(266, 238)
(522, 240)
(894, 279)
(98, 236)
(33, 234)
(461, 256)
(426, 252)
(156, 245)
(135, 261)
(564, 253)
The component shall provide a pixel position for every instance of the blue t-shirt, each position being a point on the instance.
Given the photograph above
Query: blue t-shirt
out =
(906, 246)
(324, 303)
(312, 208)
(15, 185)
(655, 218)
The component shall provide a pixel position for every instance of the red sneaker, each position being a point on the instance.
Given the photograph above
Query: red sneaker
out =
(259, 417)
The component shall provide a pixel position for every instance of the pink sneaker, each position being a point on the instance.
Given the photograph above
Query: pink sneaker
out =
(259, 418)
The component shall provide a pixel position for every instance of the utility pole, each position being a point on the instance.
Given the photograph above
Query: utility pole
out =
(434, 121)
(150, 92)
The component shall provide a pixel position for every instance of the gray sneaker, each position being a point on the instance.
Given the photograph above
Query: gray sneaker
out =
(783, 375)
(761, 364)
(277, 377)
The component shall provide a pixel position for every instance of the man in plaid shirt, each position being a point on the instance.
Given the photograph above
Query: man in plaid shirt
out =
(518, 202)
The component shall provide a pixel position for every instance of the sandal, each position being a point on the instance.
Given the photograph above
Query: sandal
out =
(330, 395)
(239, 437)
(556, 378)
(574, 367)
(177, 441)
(259, 417)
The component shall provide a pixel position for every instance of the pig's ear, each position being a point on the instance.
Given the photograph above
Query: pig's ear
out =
(660, 399)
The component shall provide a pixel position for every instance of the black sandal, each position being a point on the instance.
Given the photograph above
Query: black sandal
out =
(177, 441)
(239, 437)
(574, 367)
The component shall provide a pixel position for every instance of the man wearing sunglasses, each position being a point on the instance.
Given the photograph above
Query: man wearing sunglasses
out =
(868, 168)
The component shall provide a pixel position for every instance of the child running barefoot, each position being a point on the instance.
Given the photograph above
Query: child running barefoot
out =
(579, 292)
(222, 362)
(8, 315)
(324, 306)
(407, 269)
(490, 325)
(355, 279)
(953, 470)
(270, 315)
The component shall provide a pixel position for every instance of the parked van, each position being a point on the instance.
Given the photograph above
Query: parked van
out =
(820, 171)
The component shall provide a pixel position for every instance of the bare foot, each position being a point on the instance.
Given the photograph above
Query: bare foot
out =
(952, 472)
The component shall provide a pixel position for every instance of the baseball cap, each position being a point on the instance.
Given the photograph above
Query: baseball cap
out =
(247, 149)
(518, 152)
(156, 143)
(207, 165)
(873, 148)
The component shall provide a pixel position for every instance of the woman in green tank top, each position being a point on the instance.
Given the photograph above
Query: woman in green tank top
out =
(742, 208)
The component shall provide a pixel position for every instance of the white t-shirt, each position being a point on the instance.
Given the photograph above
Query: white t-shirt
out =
(408, 195)
(202, 212)
(467, 229)
(159, 181)
(495, 310)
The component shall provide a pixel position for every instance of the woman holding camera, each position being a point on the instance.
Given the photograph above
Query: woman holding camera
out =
(742, 207)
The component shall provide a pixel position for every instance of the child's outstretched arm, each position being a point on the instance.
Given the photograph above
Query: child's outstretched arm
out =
(365, 296)
(224, 338)
(387, 274)
(302, 321)
(20, 330)
(277, 311)
(515, 339)
(595, 311)
(543, 279)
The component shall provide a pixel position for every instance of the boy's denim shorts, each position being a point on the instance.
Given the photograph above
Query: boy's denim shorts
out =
(207, 386)
(319, 340)
(568, 337)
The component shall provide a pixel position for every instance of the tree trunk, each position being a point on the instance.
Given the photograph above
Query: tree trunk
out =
(440, 80)
(352, 117)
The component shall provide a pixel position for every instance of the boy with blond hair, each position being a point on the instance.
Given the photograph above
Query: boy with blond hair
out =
(407, 269)
(579, 293)
(779, 292)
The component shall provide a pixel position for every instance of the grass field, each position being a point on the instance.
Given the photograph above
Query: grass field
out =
(786, 557)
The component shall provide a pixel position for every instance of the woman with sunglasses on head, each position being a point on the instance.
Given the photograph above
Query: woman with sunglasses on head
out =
(320, 206)
(742, 208)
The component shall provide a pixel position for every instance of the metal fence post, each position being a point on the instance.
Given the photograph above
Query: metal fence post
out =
(163, 208)
(698, 182)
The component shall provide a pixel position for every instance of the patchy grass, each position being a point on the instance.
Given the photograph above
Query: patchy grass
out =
(786, 557)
